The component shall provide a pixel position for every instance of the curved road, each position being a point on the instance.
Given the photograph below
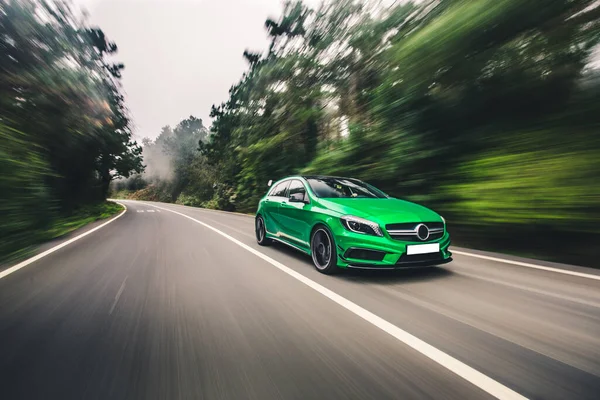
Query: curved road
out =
(158, 305)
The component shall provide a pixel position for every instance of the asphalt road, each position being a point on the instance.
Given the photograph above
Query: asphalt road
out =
(157, 306)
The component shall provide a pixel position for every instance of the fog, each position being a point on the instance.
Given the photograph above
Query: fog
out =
(159, 164)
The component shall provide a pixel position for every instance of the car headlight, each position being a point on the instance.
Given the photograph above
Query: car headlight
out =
(360, 225)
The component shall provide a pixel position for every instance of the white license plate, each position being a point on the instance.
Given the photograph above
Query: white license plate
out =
(422, 248)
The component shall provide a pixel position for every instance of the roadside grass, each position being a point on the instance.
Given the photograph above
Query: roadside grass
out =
(61, 226)
(81, 217)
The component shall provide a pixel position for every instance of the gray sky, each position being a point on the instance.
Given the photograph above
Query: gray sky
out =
(180, 56)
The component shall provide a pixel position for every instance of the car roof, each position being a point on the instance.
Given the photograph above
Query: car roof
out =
(327, 177)
(320, 177)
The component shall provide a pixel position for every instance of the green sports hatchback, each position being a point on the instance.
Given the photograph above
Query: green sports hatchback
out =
(347, 223)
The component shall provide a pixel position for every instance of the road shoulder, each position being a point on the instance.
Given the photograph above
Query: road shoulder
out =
(35, 250)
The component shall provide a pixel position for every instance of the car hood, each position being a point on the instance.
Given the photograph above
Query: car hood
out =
(382, 211)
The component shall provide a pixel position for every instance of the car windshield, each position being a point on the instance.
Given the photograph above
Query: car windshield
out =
(343, 188)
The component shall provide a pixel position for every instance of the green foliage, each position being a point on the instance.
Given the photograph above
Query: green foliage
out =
(64, 130)
(24, 190)
(530, 187)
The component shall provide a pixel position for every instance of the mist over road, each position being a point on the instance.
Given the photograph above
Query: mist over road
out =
(157, 306)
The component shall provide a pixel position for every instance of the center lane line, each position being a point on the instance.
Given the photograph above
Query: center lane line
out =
(118, 296)
(461, 369)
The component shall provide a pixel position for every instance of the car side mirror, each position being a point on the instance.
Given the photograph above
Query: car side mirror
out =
(297, 198)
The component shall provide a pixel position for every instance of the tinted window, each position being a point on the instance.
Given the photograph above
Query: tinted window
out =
(297, 187)
(279, 190)
(344, 188)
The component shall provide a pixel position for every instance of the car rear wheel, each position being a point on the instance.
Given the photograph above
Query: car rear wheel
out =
(323, 251)
(261, 232)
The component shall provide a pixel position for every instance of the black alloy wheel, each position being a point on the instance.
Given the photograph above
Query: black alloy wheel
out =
(323, 251)
(261, 232)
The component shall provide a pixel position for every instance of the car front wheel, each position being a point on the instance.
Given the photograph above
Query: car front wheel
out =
(261, 232)
(323, 250)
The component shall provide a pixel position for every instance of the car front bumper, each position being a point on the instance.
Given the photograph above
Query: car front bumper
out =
(376, 252)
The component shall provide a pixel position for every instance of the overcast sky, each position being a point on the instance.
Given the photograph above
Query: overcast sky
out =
(180, 56)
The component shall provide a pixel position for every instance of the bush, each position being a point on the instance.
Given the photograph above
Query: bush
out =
(26, 205)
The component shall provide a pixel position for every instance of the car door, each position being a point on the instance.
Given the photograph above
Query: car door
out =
(293, 216)
(276, 196)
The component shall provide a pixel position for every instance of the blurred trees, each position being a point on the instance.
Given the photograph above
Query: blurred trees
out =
(485, 111)
(64, 130)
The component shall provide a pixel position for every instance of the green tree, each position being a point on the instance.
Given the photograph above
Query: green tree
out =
(62, 117)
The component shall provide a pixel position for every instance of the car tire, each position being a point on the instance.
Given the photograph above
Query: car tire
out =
(261, 232)
(323, 250)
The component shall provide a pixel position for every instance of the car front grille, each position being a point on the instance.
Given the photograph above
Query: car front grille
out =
(415, 231)
(364, 254)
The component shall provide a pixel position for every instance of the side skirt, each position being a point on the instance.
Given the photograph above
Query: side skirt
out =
(275, 238)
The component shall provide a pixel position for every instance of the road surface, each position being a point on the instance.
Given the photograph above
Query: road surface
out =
(159, 305)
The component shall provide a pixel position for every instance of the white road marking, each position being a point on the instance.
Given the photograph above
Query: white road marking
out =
(118, 295)
(140, 210)
(33, 259)
(528, 265)
(461, 369)
(149, 210)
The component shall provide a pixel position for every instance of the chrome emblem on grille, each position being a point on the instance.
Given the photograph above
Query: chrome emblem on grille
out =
(422, 231)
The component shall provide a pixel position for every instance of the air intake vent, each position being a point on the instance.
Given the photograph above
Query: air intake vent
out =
(364, 254)
(420, 258)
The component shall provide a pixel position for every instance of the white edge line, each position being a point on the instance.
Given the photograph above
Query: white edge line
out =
(33, 259)
(528, 265)
(461, 369)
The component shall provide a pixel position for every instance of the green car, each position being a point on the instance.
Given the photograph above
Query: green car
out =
(347, 223)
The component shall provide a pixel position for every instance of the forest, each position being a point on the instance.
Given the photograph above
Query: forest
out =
(486, 112)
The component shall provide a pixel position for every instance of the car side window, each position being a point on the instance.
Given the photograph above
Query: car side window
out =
(297, 187)
(279, 190)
